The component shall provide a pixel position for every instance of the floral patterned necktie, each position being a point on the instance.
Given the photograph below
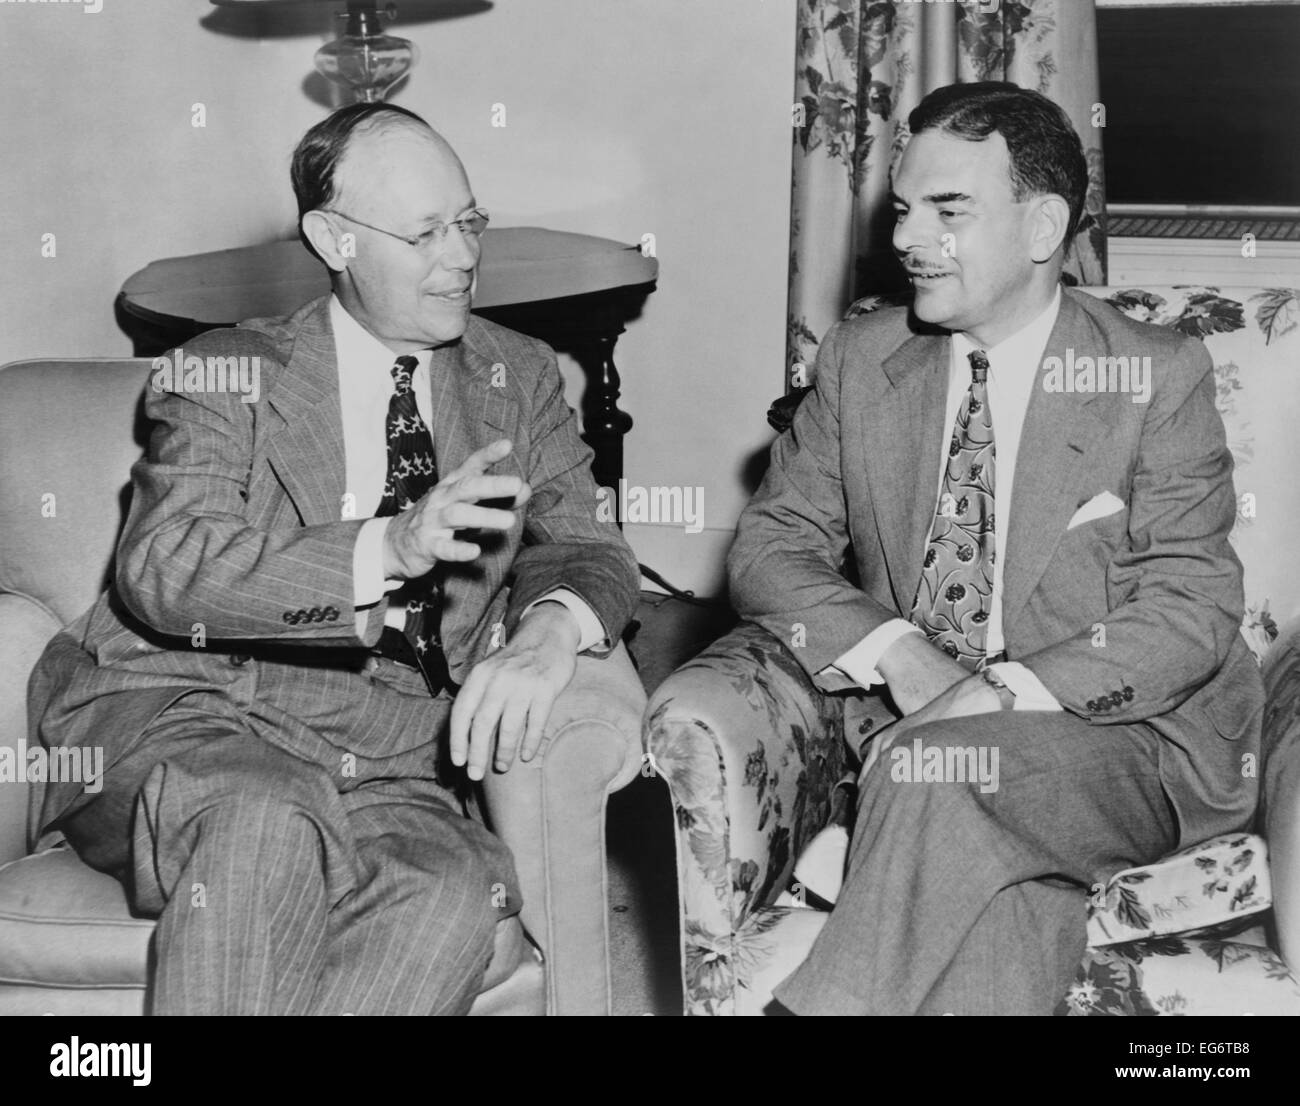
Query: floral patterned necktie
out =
(956, 589)
(411, 473)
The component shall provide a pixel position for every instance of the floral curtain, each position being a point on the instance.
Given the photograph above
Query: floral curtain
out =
(861, 67)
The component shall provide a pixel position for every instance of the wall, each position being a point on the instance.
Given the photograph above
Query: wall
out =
(661, 116)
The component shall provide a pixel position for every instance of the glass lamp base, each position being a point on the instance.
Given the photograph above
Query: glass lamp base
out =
(363, 59)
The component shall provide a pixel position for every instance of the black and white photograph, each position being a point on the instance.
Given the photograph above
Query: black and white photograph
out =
(738, 508)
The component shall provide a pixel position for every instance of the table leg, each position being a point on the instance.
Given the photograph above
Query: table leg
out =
(604, 424)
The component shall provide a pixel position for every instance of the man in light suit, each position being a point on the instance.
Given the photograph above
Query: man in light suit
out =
(389, 559)
(1044, 574)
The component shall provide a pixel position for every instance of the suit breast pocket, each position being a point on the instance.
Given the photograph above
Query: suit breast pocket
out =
(1096, 542)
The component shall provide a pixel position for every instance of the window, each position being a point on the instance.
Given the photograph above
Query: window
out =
(1202, 104)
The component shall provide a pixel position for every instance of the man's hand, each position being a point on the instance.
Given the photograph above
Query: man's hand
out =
(917, 673)
(509, 694)
(972, 695)
(418, 538)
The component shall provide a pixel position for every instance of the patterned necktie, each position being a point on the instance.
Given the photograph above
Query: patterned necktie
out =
(955, 594)
(411, 473)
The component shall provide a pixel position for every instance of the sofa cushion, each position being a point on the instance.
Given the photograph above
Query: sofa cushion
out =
(65, 925)
(79, 488)
(1220, 880)
(1187, 976)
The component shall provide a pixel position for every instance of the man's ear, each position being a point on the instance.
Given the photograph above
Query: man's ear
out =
(1049, 226)
(332, 245)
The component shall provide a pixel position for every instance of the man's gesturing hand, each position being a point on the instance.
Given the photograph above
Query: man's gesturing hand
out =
(420, 537)
(509, 694)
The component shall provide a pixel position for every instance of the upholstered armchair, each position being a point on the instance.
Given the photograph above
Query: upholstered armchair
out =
(69, 432)
(753, 754)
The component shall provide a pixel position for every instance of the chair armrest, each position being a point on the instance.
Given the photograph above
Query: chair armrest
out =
(751, 752)
(550, 811)
(1282, 787)
(25, 628)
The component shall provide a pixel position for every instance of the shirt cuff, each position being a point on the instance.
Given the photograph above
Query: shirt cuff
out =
(369, 585)
(1028, 689)
(590, 631)
(859, 663)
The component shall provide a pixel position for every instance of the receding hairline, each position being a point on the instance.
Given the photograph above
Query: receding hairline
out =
(385, 123)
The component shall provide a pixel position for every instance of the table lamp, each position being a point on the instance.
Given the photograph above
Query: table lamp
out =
(362, 58)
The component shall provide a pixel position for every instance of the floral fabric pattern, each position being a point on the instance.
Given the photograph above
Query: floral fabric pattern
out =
(1183, 976)
(1220, 880)
(752, 766)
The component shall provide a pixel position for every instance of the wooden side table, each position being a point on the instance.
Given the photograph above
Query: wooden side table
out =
(573, 291)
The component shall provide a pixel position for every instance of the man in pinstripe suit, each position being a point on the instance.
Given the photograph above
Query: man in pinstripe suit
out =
(276, 734)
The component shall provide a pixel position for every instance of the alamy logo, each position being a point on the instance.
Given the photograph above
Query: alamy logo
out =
(83, 765)
(1131, 375)
(188, 373)
(946, 764)
(632, 503)
(85, 1058)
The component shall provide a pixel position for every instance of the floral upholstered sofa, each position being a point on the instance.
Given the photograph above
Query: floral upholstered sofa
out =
(754, 755)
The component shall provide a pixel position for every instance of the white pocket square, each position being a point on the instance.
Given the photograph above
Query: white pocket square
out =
(1099, 506)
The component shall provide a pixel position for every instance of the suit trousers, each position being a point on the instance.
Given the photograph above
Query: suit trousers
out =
(286, 884)
(969, 899)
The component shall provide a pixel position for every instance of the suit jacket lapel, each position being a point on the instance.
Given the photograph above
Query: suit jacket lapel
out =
(469, 409)
(904, 479)
(307, 451)
(1058, 433)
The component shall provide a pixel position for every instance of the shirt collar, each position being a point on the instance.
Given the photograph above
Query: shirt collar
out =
(1024, 346)
(358, 350)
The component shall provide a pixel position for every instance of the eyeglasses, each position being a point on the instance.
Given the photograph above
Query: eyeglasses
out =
(470, 225)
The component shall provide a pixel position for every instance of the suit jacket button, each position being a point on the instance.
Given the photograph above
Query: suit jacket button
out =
(1091, 704)
(1128, 694)
(288, 617)
(331, 614)
(1116, 698)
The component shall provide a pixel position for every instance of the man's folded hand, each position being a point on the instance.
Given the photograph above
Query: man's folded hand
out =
(509, 694)
(917, 672)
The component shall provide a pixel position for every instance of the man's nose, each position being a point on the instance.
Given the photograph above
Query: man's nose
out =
(459, 250)
(908, 234)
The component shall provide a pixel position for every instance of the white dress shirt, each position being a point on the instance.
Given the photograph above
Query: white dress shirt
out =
(365, 388)
(1013, 367)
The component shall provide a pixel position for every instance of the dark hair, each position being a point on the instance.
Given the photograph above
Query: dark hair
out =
(317, 155)
(1046, 154)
